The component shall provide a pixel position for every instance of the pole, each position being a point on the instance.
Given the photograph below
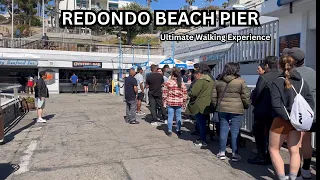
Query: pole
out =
(148, 52)
(120, 74)
(43, 18)
(173, 50)
(132, 55)
(12, 8)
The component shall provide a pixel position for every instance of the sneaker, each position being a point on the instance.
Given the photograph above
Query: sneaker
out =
(166, 122)
(40, 120)
(134, 122)
(169, 134)
(221, 156)
(140, 113)
(2, 142)
(306, 174)
(200, 144)
(236, 157)
(179, 133)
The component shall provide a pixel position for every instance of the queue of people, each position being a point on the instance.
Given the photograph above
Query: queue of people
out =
(284, 84)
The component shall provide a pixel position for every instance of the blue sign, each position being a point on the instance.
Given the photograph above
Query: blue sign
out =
(181, 66)
(284, 2)
(167, 61)
(140, 64)
(212, 57)
(18, 63)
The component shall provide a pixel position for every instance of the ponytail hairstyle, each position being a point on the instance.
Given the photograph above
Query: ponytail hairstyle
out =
(287, 63)
(176, 73)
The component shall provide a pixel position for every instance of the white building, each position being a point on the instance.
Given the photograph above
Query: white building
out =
(92, 4)
(16, 63)
(297, 28)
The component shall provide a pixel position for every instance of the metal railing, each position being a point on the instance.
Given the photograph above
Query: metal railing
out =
(9, 107)
(73, 46)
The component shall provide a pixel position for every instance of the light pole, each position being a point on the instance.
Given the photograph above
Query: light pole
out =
(148, 52)
(120, 53)
(172, 50)
(12, 12)
(132, 54)
(43, 18)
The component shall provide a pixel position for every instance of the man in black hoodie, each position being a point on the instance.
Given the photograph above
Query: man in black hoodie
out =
(261, 100)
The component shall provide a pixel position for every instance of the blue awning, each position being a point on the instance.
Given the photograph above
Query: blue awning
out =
(167, 61)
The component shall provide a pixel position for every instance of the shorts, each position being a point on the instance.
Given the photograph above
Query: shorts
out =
(41, 104)
(281, 126)
(140, 96)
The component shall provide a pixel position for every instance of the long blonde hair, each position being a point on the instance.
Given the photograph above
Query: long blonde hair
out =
(287, 63)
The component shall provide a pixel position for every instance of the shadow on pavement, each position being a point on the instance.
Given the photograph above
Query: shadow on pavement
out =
(49, 117)
(10, 137)
(6, 169)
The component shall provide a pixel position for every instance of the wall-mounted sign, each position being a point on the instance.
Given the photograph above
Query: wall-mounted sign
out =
(50, 79)
(284, 2)
(140, 64)
(80, 64)
(289, 41)
(212, 57)
(18, 63)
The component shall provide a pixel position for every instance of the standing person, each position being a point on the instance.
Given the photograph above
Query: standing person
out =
(202, 95)
(106, 86)
(165, 70)
(261, 100)
(45, 40)
(74, 80)
(162, 71)
(30, 84)
(175, 96)
(131, 91)
(41, 95)
(85, 84)
(184, 76)
(234, 98)
(140, 97)
(94, 84)
(261, 69)
(309, 75)
(283, 92)
(155, 81)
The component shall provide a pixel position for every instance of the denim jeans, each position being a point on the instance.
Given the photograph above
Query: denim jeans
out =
(201, 123)
(174, 110)
(106, 88)
(232, 122)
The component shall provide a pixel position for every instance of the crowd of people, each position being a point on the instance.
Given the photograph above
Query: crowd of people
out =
(226, 97)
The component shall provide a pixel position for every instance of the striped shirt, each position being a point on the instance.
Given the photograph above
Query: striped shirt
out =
(173, 95)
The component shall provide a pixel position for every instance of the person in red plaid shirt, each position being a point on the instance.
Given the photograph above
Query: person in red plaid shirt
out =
(175, 97)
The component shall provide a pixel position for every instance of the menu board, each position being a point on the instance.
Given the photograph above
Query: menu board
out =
(289, 41)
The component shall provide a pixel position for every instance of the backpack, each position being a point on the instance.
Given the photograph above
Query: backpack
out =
(301, 115)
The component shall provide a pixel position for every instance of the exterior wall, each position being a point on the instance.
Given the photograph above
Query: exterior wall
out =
(53, 85)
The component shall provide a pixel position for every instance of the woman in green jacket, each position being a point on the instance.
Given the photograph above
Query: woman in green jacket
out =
(202, 96)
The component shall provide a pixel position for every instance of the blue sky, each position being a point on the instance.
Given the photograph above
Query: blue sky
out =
(176, 4)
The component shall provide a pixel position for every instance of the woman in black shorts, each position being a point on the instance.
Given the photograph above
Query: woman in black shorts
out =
(85, 84)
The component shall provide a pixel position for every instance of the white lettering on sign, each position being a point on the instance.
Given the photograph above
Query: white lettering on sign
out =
(18, 63)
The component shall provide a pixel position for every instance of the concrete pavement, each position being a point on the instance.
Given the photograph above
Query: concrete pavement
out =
(86, 137)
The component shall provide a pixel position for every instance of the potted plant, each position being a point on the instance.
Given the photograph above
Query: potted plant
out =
(31, 103)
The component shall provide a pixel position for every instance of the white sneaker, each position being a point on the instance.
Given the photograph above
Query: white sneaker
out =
(221, 156)
(40, 120)
(306, 174)
(166, 122)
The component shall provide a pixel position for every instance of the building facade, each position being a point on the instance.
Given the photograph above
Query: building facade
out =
(297, 25)
(92, 4)
(22, 63)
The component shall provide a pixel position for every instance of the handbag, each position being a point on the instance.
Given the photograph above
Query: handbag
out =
(215, 115)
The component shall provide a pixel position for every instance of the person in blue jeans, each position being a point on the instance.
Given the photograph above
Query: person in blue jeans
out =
(174, 98)
(233, 99)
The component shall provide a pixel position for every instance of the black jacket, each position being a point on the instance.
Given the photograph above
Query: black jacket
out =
(260, 97)
(280, 96)
(41, 89)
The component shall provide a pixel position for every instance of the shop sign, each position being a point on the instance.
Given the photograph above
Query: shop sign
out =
(80, 64)
(18, 63)
(212, 57)
(284, 2)
(289, 41)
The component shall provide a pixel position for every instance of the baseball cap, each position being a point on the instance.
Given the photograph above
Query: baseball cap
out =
(285, 51)
(139, 68)
(296, 53)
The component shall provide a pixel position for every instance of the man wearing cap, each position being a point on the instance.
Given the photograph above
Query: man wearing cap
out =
(309, 75)
(140, 96)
